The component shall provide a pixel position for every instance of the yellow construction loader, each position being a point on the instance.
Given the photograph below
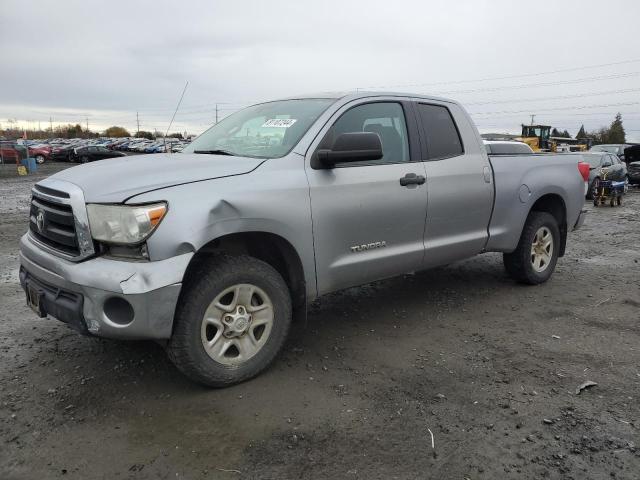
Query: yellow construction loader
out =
(539, 138)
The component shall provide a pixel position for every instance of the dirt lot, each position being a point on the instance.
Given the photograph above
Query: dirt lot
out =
(488, 366)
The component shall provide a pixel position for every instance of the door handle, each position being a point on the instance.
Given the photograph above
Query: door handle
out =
(412, 179)
(486, 172)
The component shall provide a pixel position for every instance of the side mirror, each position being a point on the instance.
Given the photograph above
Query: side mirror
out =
(350, 147)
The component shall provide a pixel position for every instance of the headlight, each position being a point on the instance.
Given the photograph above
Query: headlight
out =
(124, 224)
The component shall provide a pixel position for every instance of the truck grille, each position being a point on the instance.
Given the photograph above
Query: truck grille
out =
(53, 224)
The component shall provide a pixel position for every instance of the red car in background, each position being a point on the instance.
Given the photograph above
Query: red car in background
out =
(9, 152)
(40, 152)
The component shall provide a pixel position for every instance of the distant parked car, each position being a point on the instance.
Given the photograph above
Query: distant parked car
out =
(8, 152)
(633, 172)
(40, 152)
(61, 152)
(632, 157)
(161, 148)
(177, 147)
(506, 147)
(617, 148)
(92, 153)
(151, 148)
(603, 161)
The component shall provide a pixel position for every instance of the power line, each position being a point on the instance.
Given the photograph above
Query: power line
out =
(559, 116)
(507, 77)
(578, 107)
(561, 97)
(542, 84)
(177, 107)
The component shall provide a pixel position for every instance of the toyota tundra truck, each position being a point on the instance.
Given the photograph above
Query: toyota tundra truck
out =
(215, 250)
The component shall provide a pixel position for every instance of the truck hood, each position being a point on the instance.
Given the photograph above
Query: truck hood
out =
(117, 179)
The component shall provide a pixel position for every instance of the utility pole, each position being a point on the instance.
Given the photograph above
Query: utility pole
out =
(51, 125)
(87, 124)
(216, 113)
(532, 118)
(38, 125)
(138, 121)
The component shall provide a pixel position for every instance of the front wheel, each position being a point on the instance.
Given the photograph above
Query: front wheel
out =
(536, 255)
(39, 159)
(231, 321)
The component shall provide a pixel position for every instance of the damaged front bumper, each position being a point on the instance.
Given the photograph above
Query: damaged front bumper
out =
(105, 297)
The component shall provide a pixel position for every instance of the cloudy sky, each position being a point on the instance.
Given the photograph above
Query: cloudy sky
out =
(568, 62)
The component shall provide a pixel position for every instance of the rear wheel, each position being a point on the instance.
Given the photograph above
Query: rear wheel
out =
(40, 159)
(534, 259)
(232, 320)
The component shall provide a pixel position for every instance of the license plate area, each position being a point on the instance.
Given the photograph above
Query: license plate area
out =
(34, 300)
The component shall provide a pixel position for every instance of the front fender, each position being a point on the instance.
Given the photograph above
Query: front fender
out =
(273, 199)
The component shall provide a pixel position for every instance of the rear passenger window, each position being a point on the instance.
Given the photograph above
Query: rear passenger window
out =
(443, 139)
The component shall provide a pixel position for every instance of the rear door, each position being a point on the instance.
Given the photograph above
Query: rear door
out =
(104, 152)
(459, 183)
(366, 225)
(92, 153)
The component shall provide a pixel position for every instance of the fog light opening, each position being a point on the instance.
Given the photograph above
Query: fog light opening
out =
(118, 310)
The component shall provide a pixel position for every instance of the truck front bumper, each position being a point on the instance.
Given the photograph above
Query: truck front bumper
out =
(104, 297)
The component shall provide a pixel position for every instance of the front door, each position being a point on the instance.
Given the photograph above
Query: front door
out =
(366, 225)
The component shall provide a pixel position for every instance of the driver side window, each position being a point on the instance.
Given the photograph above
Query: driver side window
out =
(386, 119)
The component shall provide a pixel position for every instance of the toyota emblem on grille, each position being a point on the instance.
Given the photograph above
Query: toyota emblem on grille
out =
(40, 221)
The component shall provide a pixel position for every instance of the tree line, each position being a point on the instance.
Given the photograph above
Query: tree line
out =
(615, 133)
(76, 131)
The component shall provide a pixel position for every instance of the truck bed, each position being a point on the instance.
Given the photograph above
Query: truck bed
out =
(522, 179)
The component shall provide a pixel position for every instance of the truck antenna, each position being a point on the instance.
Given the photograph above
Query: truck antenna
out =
(174, 115)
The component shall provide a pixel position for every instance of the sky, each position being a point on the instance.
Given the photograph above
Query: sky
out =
(113, 63)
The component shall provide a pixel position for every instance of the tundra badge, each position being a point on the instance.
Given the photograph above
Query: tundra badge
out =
(368, 246)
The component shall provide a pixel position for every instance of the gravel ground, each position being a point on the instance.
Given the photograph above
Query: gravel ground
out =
(489, 367)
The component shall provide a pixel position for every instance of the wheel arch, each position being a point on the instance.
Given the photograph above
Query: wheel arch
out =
(271, 248)
(554, 204)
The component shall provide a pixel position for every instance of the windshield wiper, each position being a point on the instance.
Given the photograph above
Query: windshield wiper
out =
(216, 152)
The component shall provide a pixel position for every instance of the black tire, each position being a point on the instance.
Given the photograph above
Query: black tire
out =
(518, 263)
(208, 280)
(84, 159)
(40, 159)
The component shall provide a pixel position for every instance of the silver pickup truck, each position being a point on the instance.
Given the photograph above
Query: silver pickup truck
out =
(215, 250)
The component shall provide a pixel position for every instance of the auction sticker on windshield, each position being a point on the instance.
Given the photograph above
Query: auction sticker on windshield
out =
(279, 122)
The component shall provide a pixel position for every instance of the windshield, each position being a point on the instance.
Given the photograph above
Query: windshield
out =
(267, 130)
(605, 148)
